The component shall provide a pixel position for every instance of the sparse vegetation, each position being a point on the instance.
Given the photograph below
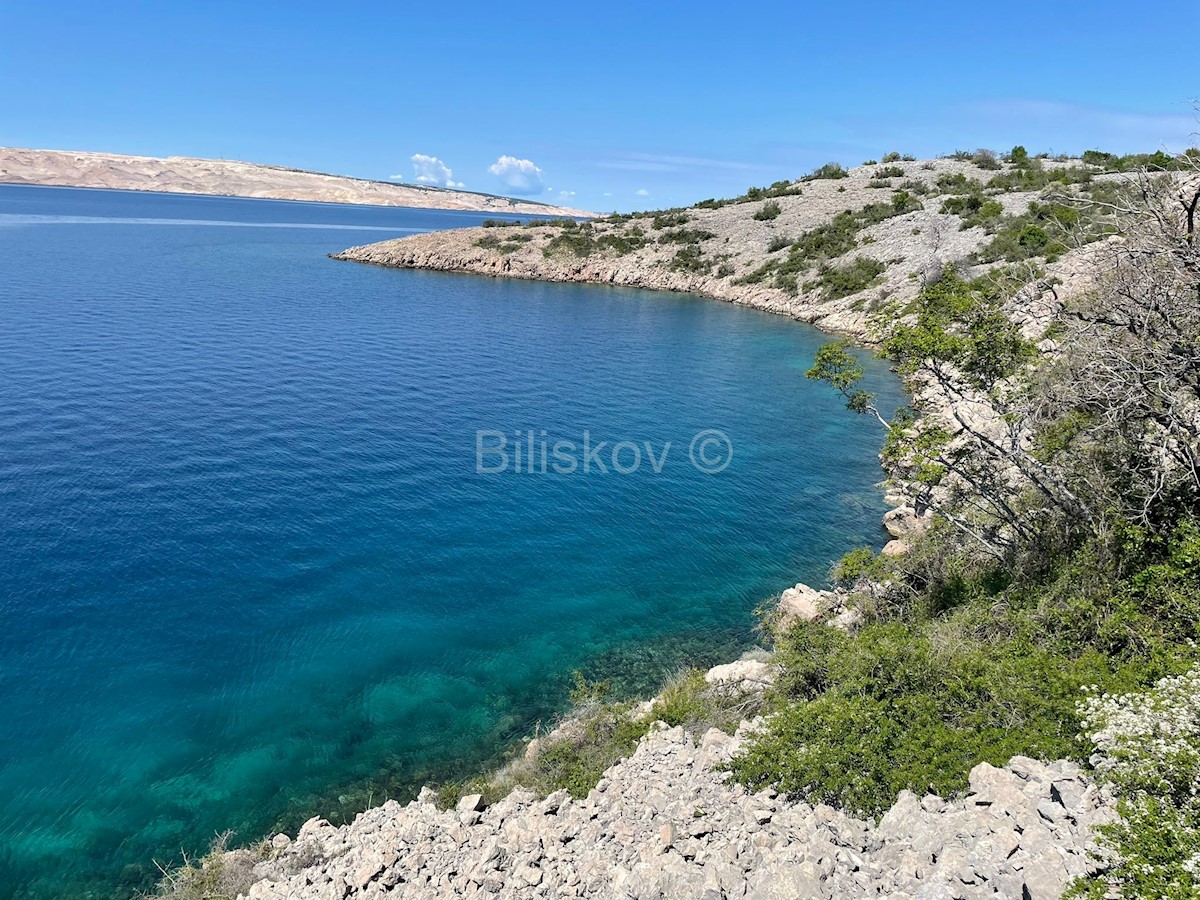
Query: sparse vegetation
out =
(505, 245)
(836, 282)
(829, 170)
(1063, 554)
(768, 211)
(670, 219)
(600, 731)
(827, 242)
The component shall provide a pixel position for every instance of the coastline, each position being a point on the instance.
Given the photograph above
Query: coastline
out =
(457, 868)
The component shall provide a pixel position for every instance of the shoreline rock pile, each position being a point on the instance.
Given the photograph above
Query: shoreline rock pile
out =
(666, 824)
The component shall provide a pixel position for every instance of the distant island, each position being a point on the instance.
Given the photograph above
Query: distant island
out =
(230, 178)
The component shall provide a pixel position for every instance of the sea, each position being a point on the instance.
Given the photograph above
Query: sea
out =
(282, 536)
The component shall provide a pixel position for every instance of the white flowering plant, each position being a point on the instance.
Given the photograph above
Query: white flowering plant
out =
(1147, 753)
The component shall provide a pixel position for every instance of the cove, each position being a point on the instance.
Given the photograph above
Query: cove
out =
(249, 572)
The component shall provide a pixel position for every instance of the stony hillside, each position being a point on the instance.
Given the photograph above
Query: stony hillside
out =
(827, 250)
(188, 175)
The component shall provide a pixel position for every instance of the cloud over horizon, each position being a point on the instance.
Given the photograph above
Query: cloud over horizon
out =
(431, 170)
(519, 176)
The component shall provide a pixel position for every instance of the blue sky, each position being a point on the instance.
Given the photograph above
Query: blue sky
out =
(613, 106)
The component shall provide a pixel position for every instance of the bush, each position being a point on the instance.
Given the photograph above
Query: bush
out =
(670, 219)
(857, 719)
(985, 159)
(777, 243)
(975, 209)
(842, 281)
(218, 875)
(690, 258)
(891, 157)
(1148, 755)
(958, 183)
(574, 240)
(829, 241)
(768, 211)
(829, 170)
(505, 245)
(889, 172)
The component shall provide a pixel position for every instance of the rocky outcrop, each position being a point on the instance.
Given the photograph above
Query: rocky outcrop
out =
(188, 175)
(666, 823)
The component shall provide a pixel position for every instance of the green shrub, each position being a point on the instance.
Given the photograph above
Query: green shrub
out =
(574, 240)
(829, 170)
(777, 243)
(685, 236)
(670, 219)
(891, 157)
(836, 282)
(975, 209)
(829, 241)
(690, 258)
(505, 245)
(1148, 755)
(857, 719)
(766, 212)
(958, 183)
(985, 159)
(623, 242)
(889, 172)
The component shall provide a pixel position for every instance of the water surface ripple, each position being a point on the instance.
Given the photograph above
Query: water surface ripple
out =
(248, 571)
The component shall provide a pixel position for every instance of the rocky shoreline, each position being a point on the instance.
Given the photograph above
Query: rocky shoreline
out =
(665, 823)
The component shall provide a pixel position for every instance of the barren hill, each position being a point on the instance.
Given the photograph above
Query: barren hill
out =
(189, 175)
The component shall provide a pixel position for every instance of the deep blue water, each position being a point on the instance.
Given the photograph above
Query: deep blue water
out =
(248, 570)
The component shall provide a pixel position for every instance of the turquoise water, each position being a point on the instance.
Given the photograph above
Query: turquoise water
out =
(249, 571)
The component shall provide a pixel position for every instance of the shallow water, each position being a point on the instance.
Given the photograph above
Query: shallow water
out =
(249, 571)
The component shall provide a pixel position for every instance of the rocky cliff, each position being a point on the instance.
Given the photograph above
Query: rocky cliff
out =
(188, 175)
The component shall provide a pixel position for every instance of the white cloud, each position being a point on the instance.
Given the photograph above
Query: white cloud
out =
(431, 170)
(608, 193)
(519, 176)
(565, 195)
(642, 192)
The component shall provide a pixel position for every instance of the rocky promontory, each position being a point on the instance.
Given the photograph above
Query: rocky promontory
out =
(750, 251)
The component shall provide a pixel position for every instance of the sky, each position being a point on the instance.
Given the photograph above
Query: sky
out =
(612, 106)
